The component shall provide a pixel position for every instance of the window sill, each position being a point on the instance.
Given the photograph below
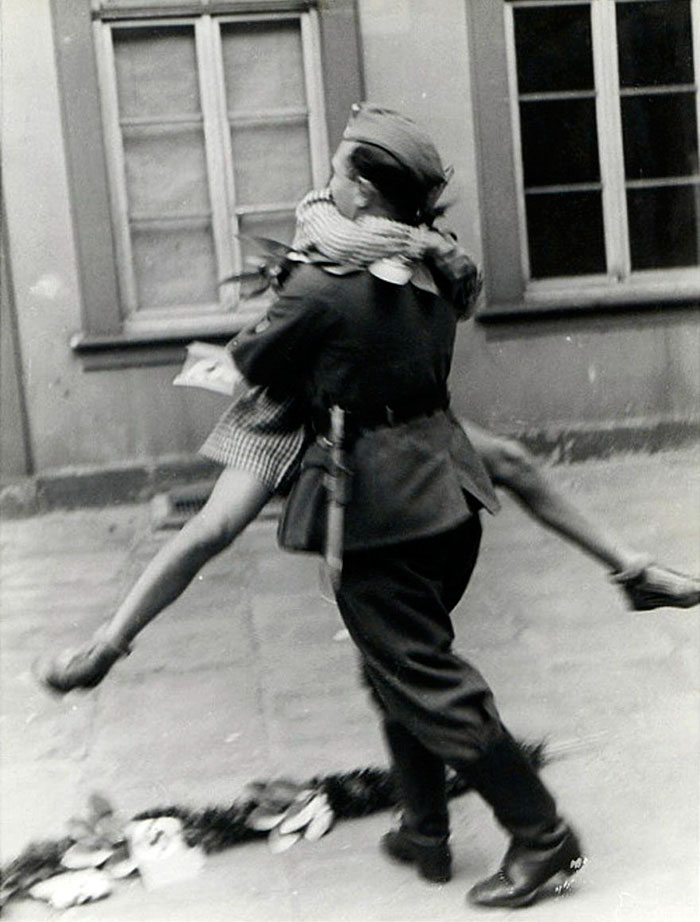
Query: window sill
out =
(602, 300)
(150, 346)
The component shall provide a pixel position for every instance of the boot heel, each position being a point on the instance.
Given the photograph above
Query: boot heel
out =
(563, 880)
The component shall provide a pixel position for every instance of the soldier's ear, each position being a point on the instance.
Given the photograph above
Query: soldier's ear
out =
(366, 194)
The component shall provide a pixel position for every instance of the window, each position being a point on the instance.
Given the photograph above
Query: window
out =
(215, 130)
(600, 176)
(190, 125)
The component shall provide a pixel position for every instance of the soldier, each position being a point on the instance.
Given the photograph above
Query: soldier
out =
(382, 352)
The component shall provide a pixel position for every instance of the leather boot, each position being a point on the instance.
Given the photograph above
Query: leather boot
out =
(526, 869)
(422, 837)
(542, 844)
(430, 855)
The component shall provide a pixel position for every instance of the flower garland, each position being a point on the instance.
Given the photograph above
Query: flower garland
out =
(283, 810)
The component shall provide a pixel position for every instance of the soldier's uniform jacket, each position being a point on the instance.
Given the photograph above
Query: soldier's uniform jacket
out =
(382, 352)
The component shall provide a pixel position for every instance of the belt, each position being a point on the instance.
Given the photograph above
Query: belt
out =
(377, 417)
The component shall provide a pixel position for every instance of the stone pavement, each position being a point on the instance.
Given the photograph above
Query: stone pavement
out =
(248, 677)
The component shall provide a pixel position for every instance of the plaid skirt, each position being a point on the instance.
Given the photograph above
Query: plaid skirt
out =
(259, 435)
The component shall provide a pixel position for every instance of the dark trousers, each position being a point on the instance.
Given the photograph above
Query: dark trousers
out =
(437, 708)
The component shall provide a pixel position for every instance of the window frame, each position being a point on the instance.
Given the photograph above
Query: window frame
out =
(509, 288)
(108, 337)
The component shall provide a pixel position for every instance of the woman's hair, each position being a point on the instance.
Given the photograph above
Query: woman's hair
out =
(404, 194)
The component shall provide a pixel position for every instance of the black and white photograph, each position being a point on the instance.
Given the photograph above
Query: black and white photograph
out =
(350, 460)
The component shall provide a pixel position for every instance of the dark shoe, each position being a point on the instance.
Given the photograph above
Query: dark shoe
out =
(658, 587)
(78, 667)
(431, 857)
(525, 871)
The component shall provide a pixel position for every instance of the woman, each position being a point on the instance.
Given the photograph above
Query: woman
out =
(259, 442)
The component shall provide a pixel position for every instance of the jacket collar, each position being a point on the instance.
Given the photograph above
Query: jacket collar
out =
(391, 270)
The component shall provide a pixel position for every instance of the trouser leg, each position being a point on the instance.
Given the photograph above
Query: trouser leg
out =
(421, 777)
(521, 803)
(419, 773)
(396, 604)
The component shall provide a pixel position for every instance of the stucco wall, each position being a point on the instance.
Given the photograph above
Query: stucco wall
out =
(415, 59)
(572, 372)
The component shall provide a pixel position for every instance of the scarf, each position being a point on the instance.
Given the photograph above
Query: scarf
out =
(321, 228)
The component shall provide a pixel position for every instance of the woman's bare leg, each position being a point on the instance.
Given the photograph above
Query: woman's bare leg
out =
(237, 498)
(646, 585)
(511, 466)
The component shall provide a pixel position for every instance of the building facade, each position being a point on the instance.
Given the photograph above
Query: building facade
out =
(145, 142)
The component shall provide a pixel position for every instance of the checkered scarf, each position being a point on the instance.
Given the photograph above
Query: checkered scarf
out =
(320, 227)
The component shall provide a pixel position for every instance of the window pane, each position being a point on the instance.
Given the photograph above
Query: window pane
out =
(553, 48)
(559, 141)
(660, 135)
(165, 165)
(654, 43)
(263, 66)
(663, 225)
(271, 163)
(175, 266)
(156, 71)
(278, 227)
(565, 234)
(166, 174)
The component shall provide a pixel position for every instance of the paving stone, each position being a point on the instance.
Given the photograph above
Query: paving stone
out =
(59, 570)
(191, 641)
(177, 725)
(115, 526)
(282, 620)
(289, 574)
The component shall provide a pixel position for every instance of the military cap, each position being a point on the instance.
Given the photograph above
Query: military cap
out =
(402, 138)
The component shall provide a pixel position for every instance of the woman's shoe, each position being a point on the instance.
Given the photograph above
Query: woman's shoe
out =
(526, 869)
(79, 667)
(432, 857)
(658, 587)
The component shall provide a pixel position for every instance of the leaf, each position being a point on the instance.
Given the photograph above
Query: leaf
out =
(72, 888)
(319, 825)
(262, 819)
(99, 806)
(277, 795)
(121, 869)
(79, 829)
(242, 277)
(281, 843)
(78, 857)
(109, 830)
(300, 814)
(284, 790)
